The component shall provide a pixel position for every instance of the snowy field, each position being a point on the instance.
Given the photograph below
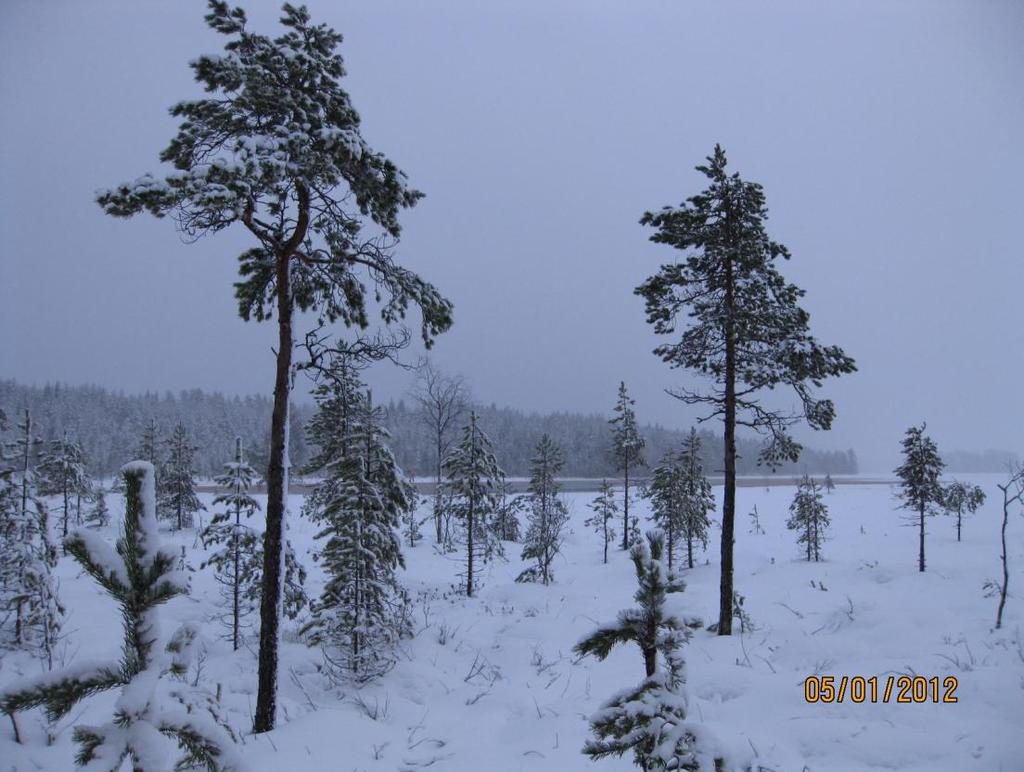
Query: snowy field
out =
(490, 683)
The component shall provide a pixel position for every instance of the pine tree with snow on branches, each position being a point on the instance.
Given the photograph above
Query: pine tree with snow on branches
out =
(140, 576)
(33, 614)
(605, 509)
(650, 719)
(505, 523)
(627, 453)
(738, 322)
(62, 473)
(471, 489)
(99, 515)
(238, 559)
(276, 147)
(808, 516)
(698, 498)
(150, 448)
(176, 493)
(681, 499)
(357, 620)
(920, 488)
(963, 499)
(665, 491)
(548, 513)
(331, 430)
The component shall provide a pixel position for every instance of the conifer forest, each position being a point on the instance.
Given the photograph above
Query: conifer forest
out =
(477, 387)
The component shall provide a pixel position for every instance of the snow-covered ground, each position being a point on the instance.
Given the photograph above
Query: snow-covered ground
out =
(490, 683)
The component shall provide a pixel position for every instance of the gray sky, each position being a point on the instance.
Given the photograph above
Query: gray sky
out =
(887, 136)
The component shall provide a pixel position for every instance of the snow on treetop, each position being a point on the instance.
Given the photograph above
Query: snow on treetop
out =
(149, 531)
(136, 467)
(147, 489)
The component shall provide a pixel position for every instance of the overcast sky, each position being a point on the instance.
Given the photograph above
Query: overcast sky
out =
(888, 137)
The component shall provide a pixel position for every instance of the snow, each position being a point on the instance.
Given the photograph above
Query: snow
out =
(74, 672)
(229, 757)
(137, 695)
(102, 554)
(490, 682)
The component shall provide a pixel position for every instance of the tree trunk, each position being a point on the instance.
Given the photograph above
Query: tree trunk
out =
(234, 581)
(650, 661)
(235, 610)
(469, 517)
(1006, 572)
(437, 488)
(17, 732)
(671, 544)
(25, 465)
(24, 517)
(544, 525)
(67, 505)
(357, 600)
(606, 540)
(625, 506)
(920, 554)
(277, 480)
(729, 494)
(469, 550)
(958, 516)
(689, 550)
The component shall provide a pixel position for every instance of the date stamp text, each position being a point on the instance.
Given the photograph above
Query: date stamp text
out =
(898, 689)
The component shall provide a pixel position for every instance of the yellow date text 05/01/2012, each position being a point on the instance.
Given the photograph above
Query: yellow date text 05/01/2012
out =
(900, 689)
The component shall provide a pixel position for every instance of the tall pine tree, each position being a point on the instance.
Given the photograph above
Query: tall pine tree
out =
(741, 326)
(471, 490)
(548, 513)
(627, 451)
(920, 488)
(276, 148)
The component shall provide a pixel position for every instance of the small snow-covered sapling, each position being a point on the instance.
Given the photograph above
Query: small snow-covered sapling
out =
(140, 575)
(650, 719)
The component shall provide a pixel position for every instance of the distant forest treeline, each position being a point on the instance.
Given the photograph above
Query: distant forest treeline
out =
(109, 424)
(973, 462)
